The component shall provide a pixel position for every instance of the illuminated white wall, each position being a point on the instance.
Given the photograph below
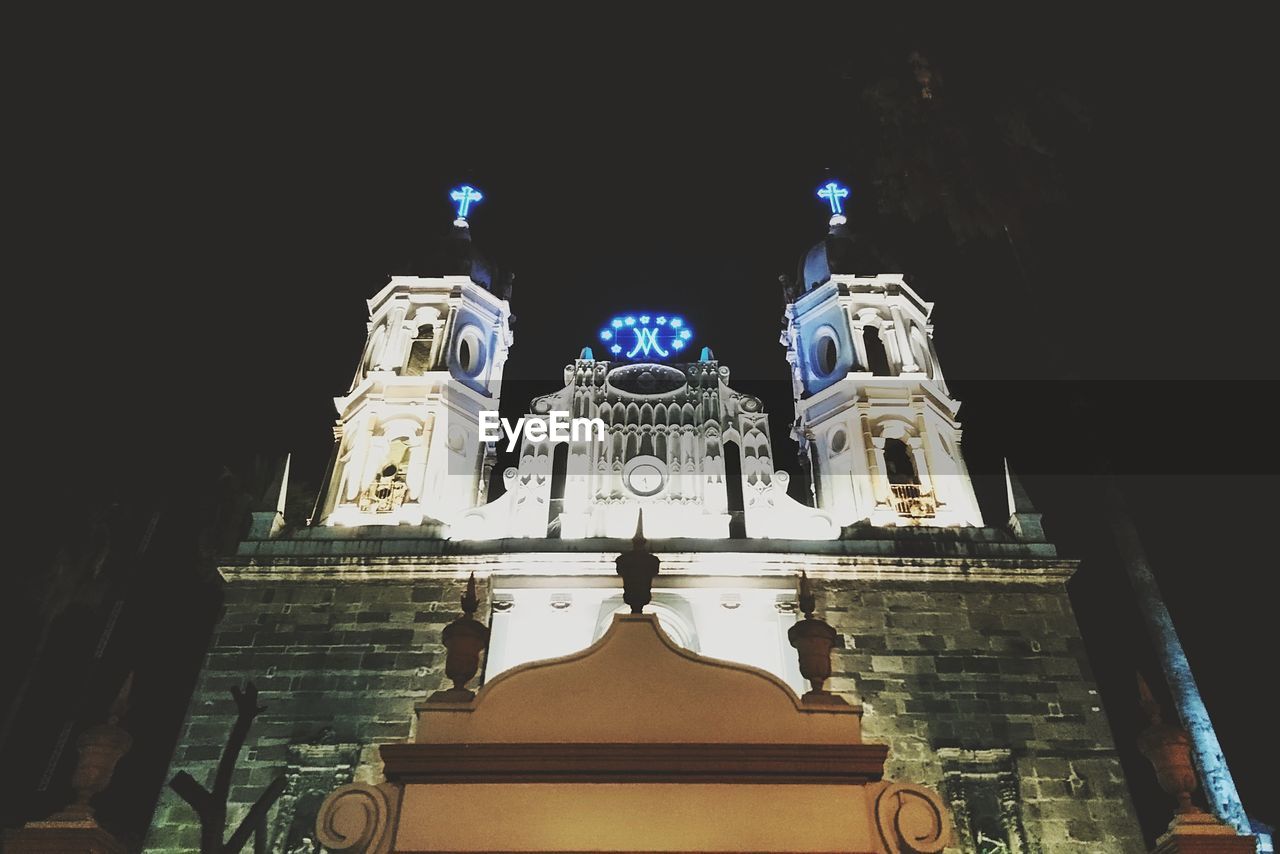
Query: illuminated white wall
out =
(406, 439)
(732, 621)
(847, 414)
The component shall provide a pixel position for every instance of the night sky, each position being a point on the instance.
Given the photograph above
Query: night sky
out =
(207, 204)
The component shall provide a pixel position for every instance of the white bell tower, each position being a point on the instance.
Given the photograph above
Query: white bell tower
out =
(406, 442)
(874, 419)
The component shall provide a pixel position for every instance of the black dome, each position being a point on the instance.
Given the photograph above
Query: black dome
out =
(455, 254)
(841, 251)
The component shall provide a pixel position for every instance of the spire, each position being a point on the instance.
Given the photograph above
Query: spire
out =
(281, 486)
(840, 251)
(1024, 519)
(1019, 501)
(268, 518)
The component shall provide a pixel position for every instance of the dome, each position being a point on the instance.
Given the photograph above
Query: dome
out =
(455, 254)
(841, 251)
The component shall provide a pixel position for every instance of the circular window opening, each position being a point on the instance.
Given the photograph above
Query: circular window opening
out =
(838, 442)
(826, 353)
(470, 352)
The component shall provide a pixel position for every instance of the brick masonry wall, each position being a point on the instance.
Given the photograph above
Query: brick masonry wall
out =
(976, 665)
(968, 665)
(346, 655)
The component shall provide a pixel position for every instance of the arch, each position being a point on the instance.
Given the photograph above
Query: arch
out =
(873, 346)
(559, 472)
(733, 489)
(899, 465)
(420, 351)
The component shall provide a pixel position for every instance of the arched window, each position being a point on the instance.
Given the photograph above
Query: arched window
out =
(897, 461)
(555, 506)
(420, 351)
(733, 486)
(877, 358)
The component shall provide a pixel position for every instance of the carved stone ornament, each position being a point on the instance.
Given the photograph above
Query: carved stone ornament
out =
(359, 817)
(912, 819)
(813, 639)
(464, 639)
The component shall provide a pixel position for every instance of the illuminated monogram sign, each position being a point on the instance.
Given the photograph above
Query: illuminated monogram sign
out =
(646, 336)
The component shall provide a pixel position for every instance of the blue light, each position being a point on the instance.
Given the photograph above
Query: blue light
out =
(833, 193)
(465, 196)
(645, 336)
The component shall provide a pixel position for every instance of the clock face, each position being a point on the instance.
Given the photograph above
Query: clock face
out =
(645, 479)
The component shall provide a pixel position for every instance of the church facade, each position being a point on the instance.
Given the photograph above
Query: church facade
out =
(955, 633)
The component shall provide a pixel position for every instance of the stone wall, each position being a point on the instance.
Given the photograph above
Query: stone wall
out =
(988, 682)
(980, 688)
(335, 661)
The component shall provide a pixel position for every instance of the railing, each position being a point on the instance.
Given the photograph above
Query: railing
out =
(383, 495)
(910, 501)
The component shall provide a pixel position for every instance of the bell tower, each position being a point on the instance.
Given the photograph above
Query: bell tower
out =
(406, 447)
(875, 422)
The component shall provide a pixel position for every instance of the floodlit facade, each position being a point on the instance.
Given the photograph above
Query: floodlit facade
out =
(956, 648)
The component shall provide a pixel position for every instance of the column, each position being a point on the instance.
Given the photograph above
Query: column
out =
(908, 361)
(916, 444)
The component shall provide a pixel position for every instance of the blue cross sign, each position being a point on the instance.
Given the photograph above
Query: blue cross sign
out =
(464, 196)
(644, 336)
(833, 193)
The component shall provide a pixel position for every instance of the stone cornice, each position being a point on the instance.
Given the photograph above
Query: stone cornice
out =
(675, 565)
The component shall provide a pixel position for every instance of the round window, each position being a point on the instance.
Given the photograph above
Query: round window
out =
(826, 352)
(645, 475)
(838, 442)
(470, 351)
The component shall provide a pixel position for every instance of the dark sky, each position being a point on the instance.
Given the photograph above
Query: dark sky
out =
(206, 204)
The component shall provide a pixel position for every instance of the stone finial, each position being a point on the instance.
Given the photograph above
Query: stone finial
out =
(101, 747)
(813, 640)
(464, 639)
(74, 828)
(1168, 749)
(638, 568)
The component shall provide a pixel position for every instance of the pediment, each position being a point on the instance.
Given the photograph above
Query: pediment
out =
(636, 686)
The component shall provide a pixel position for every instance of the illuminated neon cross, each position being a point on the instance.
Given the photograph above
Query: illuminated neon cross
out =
(647, 340)
(464, 196)
(833, 193)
